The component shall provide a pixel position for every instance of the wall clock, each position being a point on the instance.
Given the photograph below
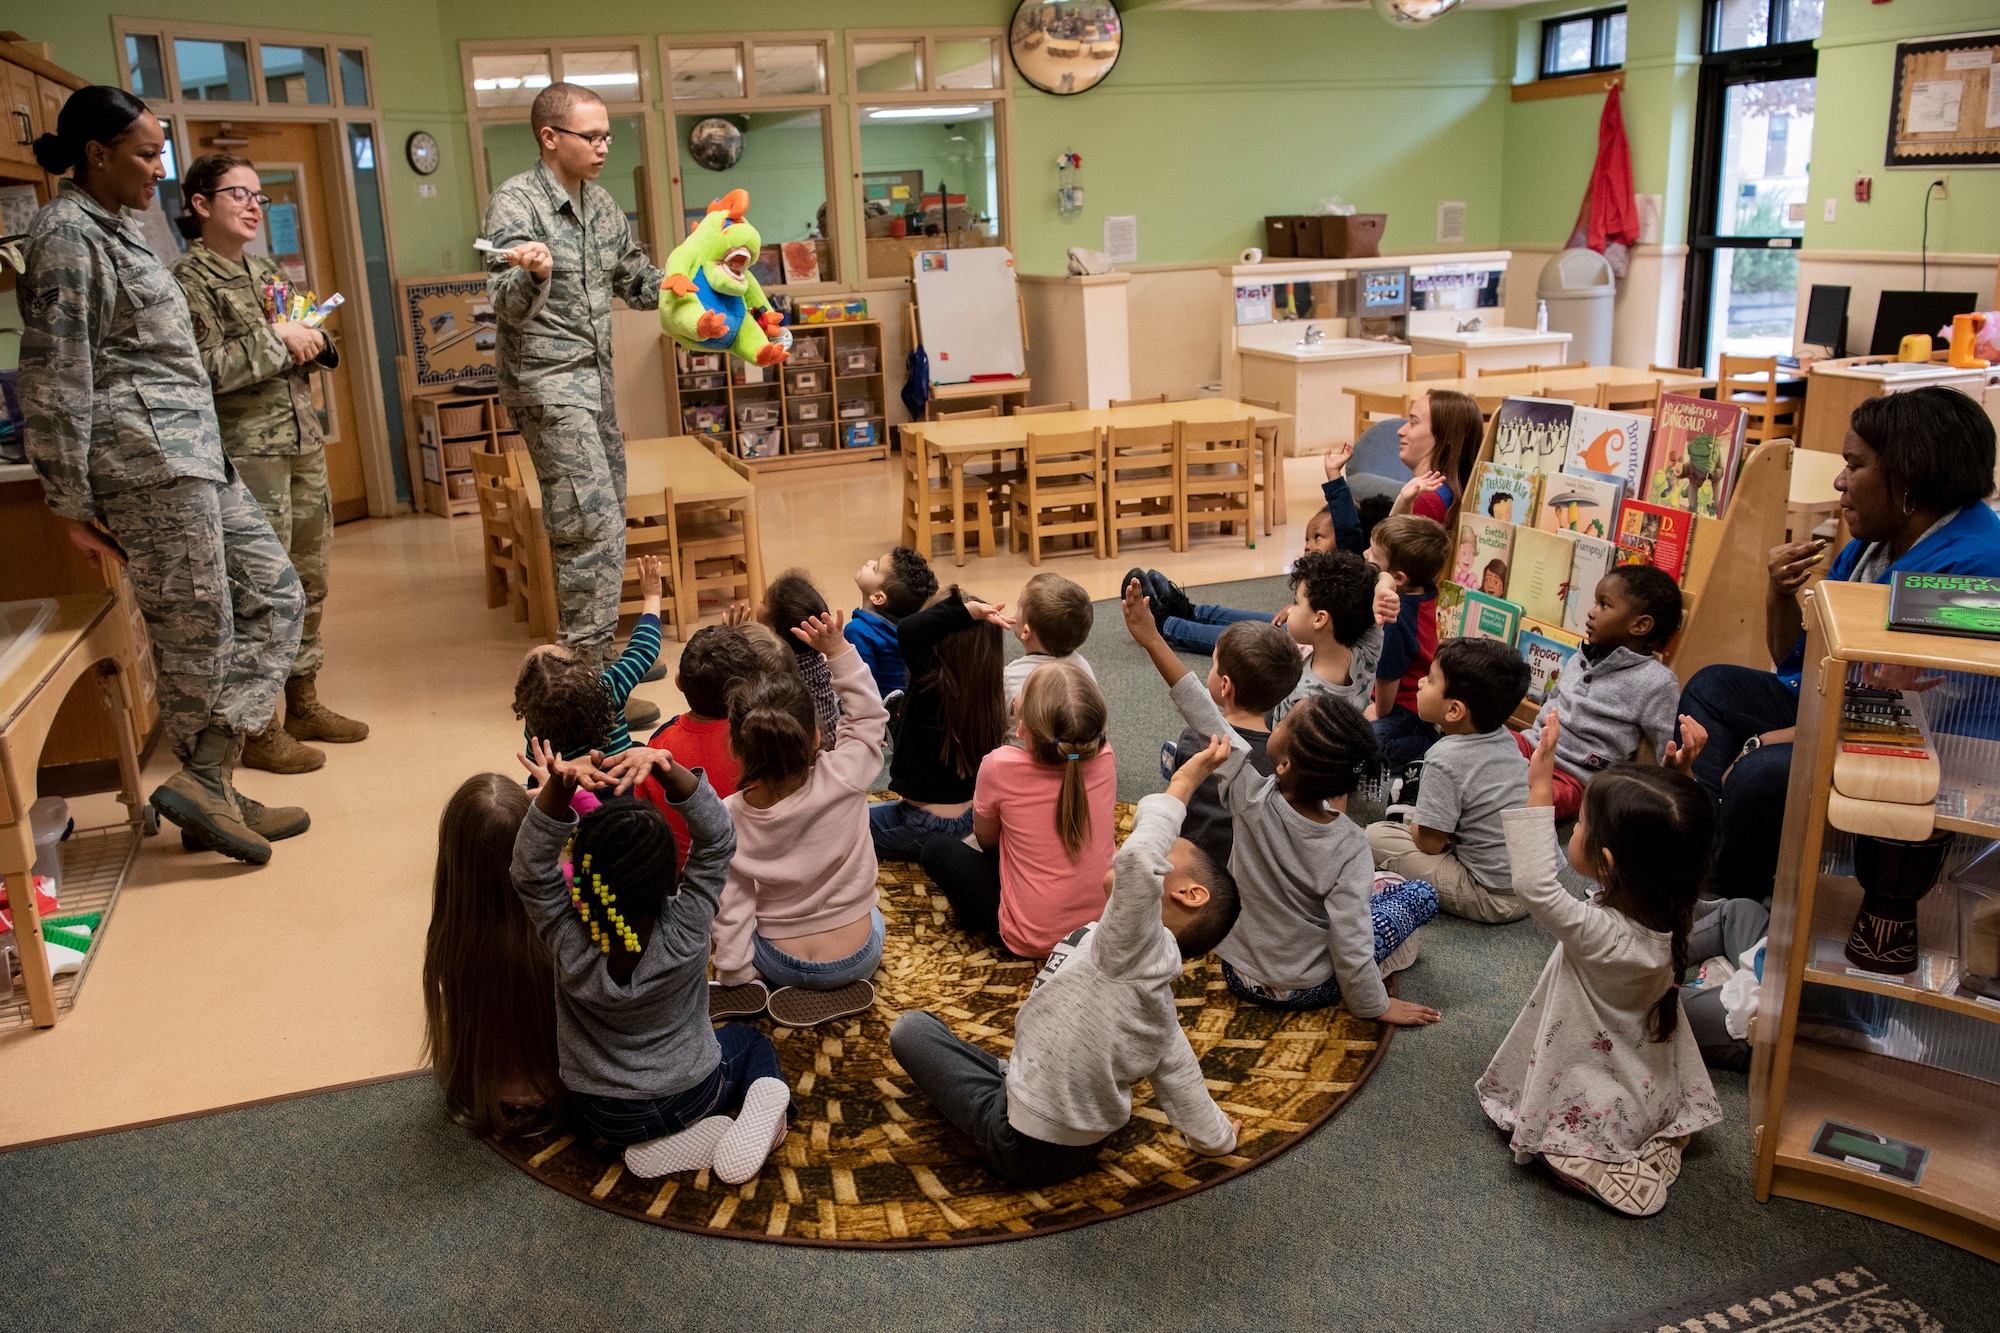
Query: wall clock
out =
(422, 151)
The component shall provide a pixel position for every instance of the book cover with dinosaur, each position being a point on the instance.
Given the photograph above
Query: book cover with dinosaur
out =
(1611, 444)
(1650, 534)
(1547, 650)
(1532, 434)
(1485, 554)
(1504, 494)
(1577, 501)
(1540, 573)
(1590, 559)
(1693, 455)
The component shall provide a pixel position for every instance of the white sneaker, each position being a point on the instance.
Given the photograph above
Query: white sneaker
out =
(692, 1149)
(760, 1126)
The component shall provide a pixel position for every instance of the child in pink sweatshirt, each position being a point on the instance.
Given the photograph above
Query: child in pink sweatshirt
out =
(798, 912)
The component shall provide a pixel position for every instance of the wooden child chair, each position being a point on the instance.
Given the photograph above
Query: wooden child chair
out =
(650, 529)
(491, 474)
(715, 555)
(1270, 465)
(1443, 366)
(1139, 402)
(1213, 472)
(1639, 400)
(1062, 493)
(927, 502)
(1042, 409)
(1139, 488)
(1751, 383)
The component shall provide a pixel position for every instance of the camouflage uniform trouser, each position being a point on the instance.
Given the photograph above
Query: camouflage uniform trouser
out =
(293, 492)
(221, 602)
(579, 458)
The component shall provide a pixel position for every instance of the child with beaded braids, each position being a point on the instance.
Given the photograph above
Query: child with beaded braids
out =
(643, 1066)
(1312, 930)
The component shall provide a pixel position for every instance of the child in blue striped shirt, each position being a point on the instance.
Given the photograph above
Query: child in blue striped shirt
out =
(575, 709)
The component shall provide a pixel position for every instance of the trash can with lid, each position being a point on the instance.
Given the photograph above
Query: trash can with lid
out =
(1579, 287)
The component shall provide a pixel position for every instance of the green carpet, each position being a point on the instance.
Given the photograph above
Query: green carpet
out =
(367, 1208)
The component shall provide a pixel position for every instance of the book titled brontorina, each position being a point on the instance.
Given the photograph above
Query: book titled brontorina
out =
(1966, 605)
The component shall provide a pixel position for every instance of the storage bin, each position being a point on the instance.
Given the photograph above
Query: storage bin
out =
(462, 486)
(807, 351)
(762, 442)
(757, 414)
(808, 409)
(502, 419)
(806, 439)
(461, 419)
(1356, 236)
(1281, 237)
(805, 381)
(1978, 885)
(458, 455)
(855, 361)
(858, 435)
(512, 442)
(693, 363)
(717, 381)
(856, 407)
(706, 419)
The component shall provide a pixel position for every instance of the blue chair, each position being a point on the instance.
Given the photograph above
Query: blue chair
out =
(1375, 468)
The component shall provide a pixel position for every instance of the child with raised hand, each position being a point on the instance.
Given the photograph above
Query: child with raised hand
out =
(1042, 813)
(1472, 776)
(1255, 667)
(489, 990)
(713, 658)
(798, 914)
(1052, 621)
(644, 1067)
(954, 714)
(792, 599)
(1601, 1076)
(892, 586)
(573, 706)
(1616, 692)
(1101, 1015)
(1312, 931)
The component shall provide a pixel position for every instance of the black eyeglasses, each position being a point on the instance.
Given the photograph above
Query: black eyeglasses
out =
(242, 194)
(594, 140)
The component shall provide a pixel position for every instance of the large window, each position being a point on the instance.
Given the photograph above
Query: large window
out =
(1736, 25)
(1583, 43)
(172, 65)
(929, 113)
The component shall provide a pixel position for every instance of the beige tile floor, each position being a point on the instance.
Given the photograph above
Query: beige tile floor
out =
(219, 983)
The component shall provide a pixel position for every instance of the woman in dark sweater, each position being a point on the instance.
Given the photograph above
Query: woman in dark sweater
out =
(954, 714)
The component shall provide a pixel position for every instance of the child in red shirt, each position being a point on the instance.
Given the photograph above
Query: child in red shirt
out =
(715, 657)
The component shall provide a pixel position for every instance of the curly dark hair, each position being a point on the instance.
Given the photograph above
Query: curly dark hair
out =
(1331, 750)
(715, 658)
(1341, 584)
(908, 582)
(563, 701)
(1657, 595)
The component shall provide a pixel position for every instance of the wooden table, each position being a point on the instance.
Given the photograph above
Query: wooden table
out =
(958, 441)
(1394, 399)
(87, 631)
(697, 477)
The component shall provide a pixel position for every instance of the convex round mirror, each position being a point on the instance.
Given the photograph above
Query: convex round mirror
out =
(715, 143)
(1065, 46)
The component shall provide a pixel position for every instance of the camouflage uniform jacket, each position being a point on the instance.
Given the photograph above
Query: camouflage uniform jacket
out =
(262, 401)
(113, 391)
(555, 336)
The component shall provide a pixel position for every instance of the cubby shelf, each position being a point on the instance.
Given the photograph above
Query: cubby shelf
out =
(793, 408)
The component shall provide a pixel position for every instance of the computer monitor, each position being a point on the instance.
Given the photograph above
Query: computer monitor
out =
(1902, 313)
(1826, 319)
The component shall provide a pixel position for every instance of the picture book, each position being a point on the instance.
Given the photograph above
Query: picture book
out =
(1485, 553)
(1693, 455)
(768, 268)
(1651, 534)
(1578, 501)
(1547, 651)
(1590, 559)
(1532, 434)
(1488, 617)
(1962, 604)
(1506, 494)
(1540, 573)
(1450, 611)
(1611, 444)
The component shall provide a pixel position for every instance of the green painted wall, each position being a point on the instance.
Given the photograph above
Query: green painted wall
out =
(1857, 52)
(781, 167)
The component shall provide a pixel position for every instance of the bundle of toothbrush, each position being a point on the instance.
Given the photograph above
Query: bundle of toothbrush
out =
(281, 303)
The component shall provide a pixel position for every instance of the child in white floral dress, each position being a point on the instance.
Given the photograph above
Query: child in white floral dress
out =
(1600, 1076)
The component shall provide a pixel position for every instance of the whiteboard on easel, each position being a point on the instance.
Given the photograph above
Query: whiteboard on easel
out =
(969, 313)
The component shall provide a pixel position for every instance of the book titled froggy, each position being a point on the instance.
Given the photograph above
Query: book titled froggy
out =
(1966, 605)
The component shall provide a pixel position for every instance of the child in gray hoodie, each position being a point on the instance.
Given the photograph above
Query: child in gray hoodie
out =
(1615, 691)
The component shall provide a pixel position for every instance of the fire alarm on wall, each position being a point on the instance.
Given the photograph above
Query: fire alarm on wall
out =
(1864, 186)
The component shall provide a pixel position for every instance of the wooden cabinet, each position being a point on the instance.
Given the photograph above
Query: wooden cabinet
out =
(32, 93)
(451, 428)
(826, 404)
(23, 114)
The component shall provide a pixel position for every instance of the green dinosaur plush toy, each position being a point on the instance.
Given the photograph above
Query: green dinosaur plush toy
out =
(709, 299)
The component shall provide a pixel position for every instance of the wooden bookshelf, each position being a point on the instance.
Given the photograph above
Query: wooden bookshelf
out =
(1796, 1084)
(798, 414)
(451, 427)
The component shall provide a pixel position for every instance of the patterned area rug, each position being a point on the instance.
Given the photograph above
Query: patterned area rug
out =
(1830, 1294)
(869, 1163)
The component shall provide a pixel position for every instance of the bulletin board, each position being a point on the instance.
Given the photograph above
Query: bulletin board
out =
(448, 329)
(1945, 107)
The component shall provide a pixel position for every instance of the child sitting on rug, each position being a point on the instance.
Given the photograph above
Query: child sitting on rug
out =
(1411, 550)
(1601, 1076)
(1334, 614)
(489, 991)
(1255, 667)
(1313, 932)
(1616, 692)
(798, 912)
(1052, 621)
(1042, 813)
(792, 599)
(896, 585)
(1101, 1015)
(644, 1067)
(954, 713)
(577, 708)
(699, 738)
(1472, 776)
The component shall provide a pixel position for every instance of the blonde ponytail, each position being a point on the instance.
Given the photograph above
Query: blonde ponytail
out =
(1064, 713)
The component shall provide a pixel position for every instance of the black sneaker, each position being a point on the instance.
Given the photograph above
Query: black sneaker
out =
(1168, 599)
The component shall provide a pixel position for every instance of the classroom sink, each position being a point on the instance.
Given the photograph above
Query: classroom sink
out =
(20, 625)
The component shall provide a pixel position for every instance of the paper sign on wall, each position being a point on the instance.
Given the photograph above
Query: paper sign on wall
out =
(283, 220)
(1121, 239)
(1253, 303)
(1451, 222)
(1934, 106)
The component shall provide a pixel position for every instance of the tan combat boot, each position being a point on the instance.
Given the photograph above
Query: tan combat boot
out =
(272, 823)
(310, 720)
(198, 799)
(276, 750)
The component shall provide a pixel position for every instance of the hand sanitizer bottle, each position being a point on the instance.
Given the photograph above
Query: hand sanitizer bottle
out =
(1541, 317)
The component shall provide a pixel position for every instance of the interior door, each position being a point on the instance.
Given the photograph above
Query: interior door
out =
(295, 171)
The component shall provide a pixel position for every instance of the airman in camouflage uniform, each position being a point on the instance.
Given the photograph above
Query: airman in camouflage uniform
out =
(554, 354)
(270, 431)
(121, 429)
